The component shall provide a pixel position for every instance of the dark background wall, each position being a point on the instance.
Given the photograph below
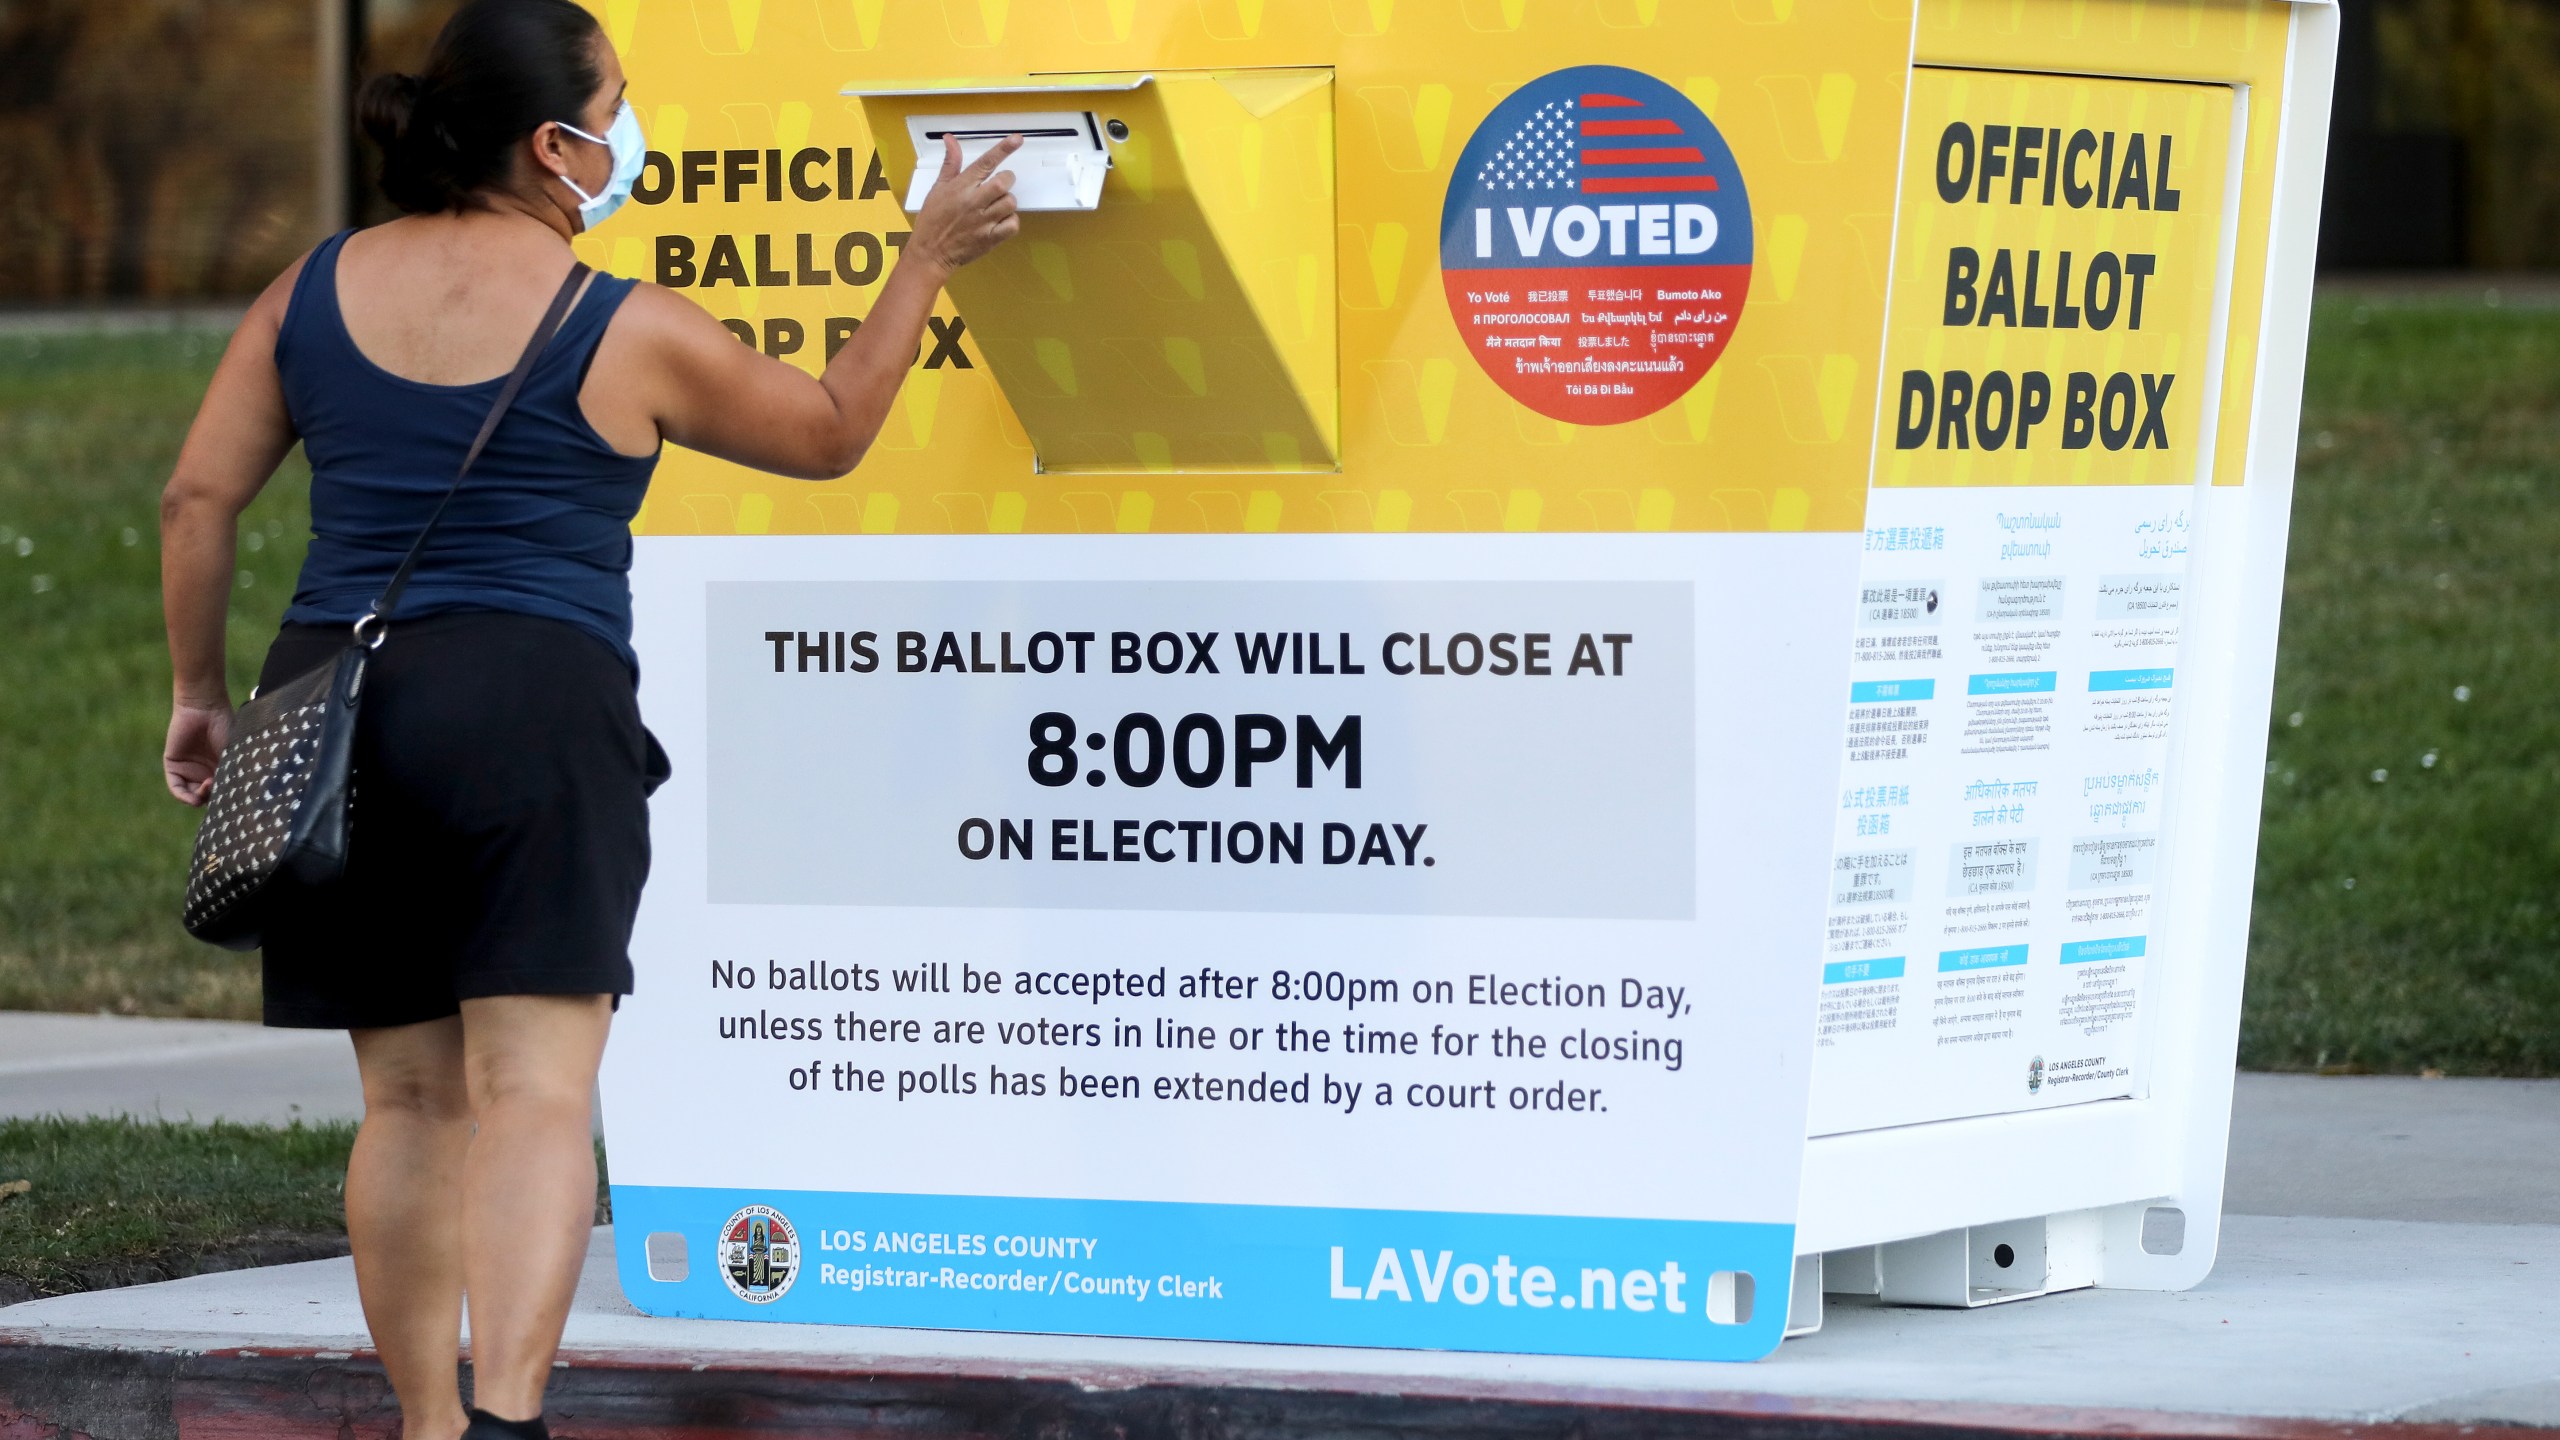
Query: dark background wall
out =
(180, 149)
(2394, 198)
(154, 147)
(2445, 149)
(184, 149)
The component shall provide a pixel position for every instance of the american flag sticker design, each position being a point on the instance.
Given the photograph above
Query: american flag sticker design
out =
(1596, 245)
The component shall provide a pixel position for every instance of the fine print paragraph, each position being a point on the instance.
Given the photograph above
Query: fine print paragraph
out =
(944, 1031)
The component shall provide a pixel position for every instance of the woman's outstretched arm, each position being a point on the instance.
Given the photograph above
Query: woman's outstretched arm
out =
(715, 395)
(240, 435)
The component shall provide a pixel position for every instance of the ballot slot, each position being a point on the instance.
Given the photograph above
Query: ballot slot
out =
(1168, 302)
(1061, 165)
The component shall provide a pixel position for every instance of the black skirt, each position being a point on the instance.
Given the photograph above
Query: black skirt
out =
(499, 825)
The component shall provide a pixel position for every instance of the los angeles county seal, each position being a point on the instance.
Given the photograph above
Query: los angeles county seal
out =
(759, 1255)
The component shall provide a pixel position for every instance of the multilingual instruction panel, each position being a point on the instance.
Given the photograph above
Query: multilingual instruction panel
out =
(2004, 779)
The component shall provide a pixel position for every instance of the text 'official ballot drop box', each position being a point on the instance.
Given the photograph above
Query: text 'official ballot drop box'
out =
(1531, 675)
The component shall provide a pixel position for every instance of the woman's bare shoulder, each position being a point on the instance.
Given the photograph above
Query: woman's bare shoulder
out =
(656, 305)
(668, 324)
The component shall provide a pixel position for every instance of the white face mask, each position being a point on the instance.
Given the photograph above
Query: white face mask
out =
(630, 153)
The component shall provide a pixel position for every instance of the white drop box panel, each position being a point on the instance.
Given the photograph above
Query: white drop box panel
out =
(2120, 1167)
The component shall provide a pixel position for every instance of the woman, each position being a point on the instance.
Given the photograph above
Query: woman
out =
(479, 942)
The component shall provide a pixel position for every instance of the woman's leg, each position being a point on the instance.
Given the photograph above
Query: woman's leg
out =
(404, 1214)
(529, 1188)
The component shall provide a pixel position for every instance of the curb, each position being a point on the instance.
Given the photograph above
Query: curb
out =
(56, 1392)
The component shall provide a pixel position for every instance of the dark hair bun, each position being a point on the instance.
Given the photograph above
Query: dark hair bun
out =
(387, 107)
(499, 69)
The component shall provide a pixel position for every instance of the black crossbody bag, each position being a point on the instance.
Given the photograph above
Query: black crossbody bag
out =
(278, 820)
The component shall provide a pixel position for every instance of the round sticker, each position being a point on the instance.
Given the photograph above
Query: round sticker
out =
(759, 1254)
(1596, 244)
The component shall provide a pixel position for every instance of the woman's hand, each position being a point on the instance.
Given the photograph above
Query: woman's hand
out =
(197, 734)
(969, 211)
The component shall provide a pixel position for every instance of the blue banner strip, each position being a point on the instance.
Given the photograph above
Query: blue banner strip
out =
(1983, 959)
(1400, 1279)
(1848, 972)
(1870, 692)
(2124, 948)
(2010, 682)
(2158, 678)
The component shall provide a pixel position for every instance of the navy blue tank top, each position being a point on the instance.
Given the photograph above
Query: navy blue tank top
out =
(541, 527)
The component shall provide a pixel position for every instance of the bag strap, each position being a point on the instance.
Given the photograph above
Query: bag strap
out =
(379, 615)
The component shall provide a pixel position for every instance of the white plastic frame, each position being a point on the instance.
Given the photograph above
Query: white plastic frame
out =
(2107, 1164)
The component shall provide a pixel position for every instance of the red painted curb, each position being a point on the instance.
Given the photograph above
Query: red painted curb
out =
(56, 1392)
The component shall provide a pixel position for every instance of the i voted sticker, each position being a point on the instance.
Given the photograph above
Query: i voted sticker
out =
(1596, 245)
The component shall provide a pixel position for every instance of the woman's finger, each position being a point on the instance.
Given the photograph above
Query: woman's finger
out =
(995, 156)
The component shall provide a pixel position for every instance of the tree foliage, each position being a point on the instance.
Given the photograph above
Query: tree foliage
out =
(155, 148)
(2489, 72)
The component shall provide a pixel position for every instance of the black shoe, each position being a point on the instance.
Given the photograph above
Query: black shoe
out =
(485, 1426)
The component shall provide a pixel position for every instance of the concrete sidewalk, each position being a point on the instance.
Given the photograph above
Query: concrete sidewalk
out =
(216, 318)
(2306, 1325)
(88, 1065)
(2390, 1147)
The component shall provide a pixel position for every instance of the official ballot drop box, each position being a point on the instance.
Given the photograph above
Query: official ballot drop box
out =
(1532, 675)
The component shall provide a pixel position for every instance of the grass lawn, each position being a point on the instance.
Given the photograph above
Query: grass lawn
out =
(2408, 901)
(92, 850)
(126, 1202)
(121, 1202)
(2402, 922)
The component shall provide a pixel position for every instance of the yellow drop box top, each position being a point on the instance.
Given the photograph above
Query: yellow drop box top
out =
(1255, 329)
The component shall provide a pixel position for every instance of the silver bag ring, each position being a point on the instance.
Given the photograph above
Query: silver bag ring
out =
(381, 631)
